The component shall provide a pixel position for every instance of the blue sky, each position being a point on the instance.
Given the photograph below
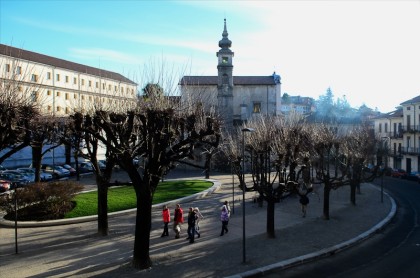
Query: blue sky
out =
(367, 51)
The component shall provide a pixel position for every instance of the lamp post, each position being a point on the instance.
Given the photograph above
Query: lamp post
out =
(243, 192)
(233, 190)
(385, 148)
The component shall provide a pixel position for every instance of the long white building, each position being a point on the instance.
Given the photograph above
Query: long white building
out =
(59, 88)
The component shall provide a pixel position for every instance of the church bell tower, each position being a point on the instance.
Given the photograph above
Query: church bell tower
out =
(225, 79)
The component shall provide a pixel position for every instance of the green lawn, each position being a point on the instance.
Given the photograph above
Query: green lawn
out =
(122, 198)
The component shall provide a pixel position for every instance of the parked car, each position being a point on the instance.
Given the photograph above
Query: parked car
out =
(86, 167)
(56, 171)
(413, 176)
(102, 164)
(30, 177)
(15, 179)
(19, 174)
(4, 186)
(2, 168)
(71, 169)
(43, 176)
(398, 173)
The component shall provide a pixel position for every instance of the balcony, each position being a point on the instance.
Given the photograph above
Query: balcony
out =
(410, 128)
(395, 134)
(410, 151)
(397, 153)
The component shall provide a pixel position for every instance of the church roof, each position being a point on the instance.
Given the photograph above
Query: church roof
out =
(225, 43)
(60, 63)
(237, 80)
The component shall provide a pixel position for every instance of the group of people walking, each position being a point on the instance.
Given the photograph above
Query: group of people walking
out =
(193, 219)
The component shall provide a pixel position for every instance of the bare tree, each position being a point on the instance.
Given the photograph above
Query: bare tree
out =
(161, 133)
(275, 149)
(278, 145)
(327, 141)
(82, 135)
(358, 147)
(19, 104)
(46, 134)
(203, 98)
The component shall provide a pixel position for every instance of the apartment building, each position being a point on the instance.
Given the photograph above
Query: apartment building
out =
(400, 132)
(59, 88)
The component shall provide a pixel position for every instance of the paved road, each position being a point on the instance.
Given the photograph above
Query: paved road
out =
(76, 250)
(394, 252)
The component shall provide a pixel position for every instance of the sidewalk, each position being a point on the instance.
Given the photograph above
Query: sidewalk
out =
(75, 250)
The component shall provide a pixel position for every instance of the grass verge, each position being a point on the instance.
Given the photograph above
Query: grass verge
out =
(124, 197)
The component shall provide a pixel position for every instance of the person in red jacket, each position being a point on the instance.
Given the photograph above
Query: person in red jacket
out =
(166, 216)
(178, 220)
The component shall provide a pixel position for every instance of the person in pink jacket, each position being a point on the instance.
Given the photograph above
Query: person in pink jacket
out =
(166, 216)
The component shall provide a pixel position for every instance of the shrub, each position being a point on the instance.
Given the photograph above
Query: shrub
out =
(41, 201)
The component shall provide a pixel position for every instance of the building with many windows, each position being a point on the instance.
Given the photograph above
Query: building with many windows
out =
(59, 88)
(400, 133)
(237, 98)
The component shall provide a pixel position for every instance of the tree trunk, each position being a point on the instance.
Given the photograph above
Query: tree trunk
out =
(76, 161)
(36, 160)
(141, 258)
(353, 192)
(326, 211)
(270, 218)
(207, 165)
(67, 149)
(102, 207)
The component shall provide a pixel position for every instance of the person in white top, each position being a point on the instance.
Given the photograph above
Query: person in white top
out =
(226, 204)
(199, 217)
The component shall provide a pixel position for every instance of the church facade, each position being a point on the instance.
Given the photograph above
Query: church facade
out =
(236, 98)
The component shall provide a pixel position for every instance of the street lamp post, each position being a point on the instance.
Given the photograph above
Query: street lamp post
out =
(233, 191)
(385, 147)
(243, 192)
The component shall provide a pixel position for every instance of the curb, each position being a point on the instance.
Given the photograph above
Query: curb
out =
(32, 224)
(326, 252)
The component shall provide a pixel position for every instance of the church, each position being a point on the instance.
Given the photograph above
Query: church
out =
(236, 98)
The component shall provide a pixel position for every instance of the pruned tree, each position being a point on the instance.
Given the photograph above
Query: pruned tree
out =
(46, 135)
(84, 134)
(19, 105)
(201, 98)
(358, 148)
(327, 142)
(261, 146)
(274, 149)
(161, 133)
(278, 145)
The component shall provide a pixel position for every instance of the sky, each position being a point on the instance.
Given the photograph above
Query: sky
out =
(367, 52)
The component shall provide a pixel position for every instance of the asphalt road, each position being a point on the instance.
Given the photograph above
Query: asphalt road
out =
(394, 252)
